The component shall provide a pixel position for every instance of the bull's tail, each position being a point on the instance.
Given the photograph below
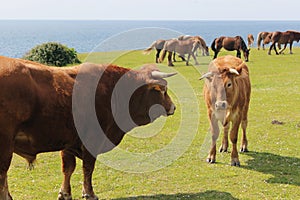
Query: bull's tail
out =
(213, 45)
(163, 55)
(259, 39)
(147, 51)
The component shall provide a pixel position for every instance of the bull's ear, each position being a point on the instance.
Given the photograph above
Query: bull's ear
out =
(154, 87)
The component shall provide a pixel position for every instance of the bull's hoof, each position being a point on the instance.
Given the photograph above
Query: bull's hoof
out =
(64, 196)
(89, 197)
(235, 163)
(211, 161)
(244, 150)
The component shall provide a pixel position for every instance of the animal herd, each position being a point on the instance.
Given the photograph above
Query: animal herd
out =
(186, 44)
(38, 104)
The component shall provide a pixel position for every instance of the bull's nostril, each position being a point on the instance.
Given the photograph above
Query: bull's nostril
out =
(223, 105)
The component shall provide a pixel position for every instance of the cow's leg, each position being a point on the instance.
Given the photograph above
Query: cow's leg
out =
(244, 146)
(6, 152)
(68, 167)
(224, 146)
(88, 168)
(233, 137)
(211, 158)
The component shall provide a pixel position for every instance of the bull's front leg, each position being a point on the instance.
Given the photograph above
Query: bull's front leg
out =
(88, 168)
(68, 167)
(233, 137)
(215, 131)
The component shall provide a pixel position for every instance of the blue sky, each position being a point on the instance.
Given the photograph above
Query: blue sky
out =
(151, 9)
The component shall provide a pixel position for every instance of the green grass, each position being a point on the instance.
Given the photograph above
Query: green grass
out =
(271, 170)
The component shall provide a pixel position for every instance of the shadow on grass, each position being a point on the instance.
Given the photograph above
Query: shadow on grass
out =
(285, 170)
(210, 194)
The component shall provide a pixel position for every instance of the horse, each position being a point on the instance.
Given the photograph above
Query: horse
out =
(287, 37)
(230, 43)
(181, 47)
(158, 45)
(250, 39)
(203, 46)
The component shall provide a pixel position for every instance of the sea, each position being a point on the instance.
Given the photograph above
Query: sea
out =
(17, 37)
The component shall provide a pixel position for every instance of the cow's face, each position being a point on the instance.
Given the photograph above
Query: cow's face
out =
(151, 100)
(220, 86)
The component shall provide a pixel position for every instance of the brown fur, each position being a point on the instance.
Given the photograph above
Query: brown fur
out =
(287, 37)
(250, 40)
(36, 113)
(232, 93)
(203, 46)
(230, 44)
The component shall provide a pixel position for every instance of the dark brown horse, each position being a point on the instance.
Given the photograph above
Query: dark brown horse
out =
(287, 37)
(230, 44)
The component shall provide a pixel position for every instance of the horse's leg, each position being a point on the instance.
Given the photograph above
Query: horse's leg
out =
(291, 44)
(157, 55)
(271, 47)
(188, 59)
(196, 62)
(182, 57)
(238, 53)
(174, 55)
(274, 46)
(216, 54)
(170, 58)
(281, 51)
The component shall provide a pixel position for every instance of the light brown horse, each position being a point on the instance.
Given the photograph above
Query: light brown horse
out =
(181, 47)
(230, 44)
(250, 39)
(203, 46)
(287, 37)
(265, 37)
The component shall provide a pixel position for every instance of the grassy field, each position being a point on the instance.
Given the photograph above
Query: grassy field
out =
(271, 170)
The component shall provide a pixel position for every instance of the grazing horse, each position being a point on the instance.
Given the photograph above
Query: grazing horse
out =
(285, 38)
(250, 39)
(181, 47)
(203, 46)
(230, 43)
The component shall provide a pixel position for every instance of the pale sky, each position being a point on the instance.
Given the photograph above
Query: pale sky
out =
(151, 9)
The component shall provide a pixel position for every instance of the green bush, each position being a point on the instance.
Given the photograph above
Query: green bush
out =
(52, 53)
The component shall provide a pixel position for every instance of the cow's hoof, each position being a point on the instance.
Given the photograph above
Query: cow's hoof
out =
(235, 163)
(89, 197)
(244, 150)
(223, 149)
(64, 196)
(211, 161)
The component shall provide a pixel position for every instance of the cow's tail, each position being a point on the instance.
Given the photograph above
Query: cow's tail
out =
(213, 45)
(259, 39)
(147, 51)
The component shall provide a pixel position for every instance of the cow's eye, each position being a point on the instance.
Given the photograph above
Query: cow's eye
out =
(228, 85)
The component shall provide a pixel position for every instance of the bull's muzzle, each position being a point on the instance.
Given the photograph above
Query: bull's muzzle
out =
(172, 110)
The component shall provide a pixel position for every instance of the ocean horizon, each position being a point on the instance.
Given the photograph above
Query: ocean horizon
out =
(18, 36)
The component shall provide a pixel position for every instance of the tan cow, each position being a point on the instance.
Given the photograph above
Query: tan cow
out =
(227, 94)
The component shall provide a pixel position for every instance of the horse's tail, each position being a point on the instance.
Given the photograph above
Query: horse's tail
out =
(259, 39)
(213, 45)
(147, 51)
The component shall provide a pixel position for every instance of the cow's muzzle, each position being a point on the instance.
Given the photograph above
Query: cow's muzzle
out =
(172, 110)
(221, 105)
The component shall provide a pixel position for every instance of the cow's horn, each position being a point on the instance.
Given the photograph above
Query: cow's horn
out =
(234, 71)
(206, 75)
(157, 74)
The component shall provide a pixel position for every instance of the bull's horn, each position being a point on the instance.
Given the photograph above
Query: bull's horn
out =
(157, 74)
(206, 75)
(234, 71)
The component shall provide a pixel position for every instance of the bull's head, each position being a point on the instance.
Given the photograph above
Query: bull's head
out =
(220, 90)
(151, 100)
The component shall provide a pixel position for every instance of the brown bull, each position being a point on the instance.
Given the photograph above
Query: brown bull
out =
(227, 94)
(37, 113)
